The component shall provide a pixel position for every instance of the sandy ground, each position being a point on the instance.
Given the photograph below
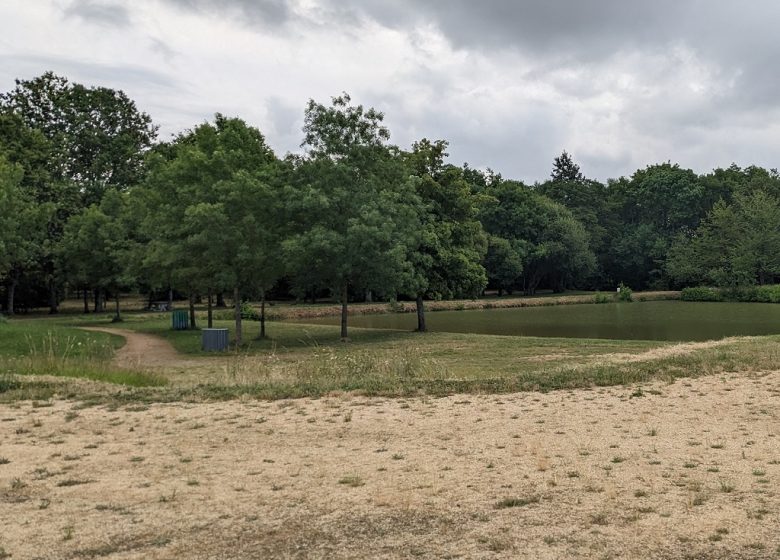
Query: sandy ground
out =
(687, 470)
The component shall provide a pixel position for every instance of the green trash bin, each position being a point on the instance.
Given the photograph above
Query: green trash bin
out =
(181, 320)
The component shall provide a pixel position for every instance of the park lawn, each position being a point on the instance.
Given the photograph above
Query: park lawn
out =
(22, 337)
(299, 360)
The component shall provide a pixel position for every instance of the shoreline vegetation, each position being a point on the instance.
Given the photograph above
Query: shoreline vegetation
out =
(287, 312)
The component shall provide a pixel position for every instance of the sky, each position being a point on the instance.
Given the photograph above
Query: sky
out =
(509, 84)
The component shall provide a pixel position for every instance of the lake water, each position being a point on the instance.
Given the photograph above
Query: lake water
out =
(653, 320)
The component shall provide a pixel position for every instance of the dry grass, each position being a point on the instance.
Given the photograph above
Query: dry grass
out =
(287, 311)
(469, 476)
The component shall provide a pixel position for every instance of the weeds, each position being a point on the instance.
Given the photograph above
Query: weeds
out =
(353, 481)
(517, 502)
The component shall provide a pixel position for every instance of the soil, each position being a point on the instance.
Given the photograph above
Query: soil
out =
(682, 470)
(146, 352)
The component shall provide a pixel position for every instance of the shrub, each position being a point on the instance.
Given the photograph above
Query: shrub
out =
(249, 312)
(768, 294)
(700, 294)
(625, 293)
(599, 297)
(394, 306)
(761, 294)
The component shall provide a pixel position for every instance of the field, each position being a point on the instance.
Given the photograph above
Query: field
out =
(133, 444)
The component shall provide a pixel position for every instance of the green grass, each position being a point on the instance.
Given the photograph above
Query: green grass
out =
(310, 360)
(20, 337)
(40, 347)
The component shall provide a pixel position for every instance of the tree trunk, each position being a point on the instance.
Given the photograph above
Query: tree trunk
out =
(170, 299)
(237, 303)
(344, 298)
(221, 300)
(117, 318)
(192, 312)
(210, 313)
(262, 314)
(100, 305)
(421, 327)
(86, 299)
(11, 293)
(53, 300)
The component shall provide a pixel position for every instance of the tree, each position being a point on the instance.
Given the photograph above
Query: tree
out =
(655, 206)
(586, 199)
(737, 244)
(95, 141)
(22, 222)
(212, 200)
(355, 205)
(565, 170)
(545, 236)
(504, 263)
(95, 246)
(447, 261)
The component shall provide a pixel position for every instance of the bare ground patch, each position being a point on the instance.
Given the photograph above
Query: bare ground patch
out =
(687, 470)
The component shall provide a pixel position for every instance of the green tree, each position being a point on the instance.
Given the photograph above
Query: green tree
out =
(550, 242)
(504, 263)
(655, 206)
(95, 247)
(586, 199)
(22, 223)
(212, 200)
(95, 141)
(737, 244)
(565, 170)
(354, 203)
(447, 261)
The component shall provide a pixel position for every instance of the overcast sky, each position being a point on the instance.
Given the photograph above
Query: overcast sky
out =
(510, 84)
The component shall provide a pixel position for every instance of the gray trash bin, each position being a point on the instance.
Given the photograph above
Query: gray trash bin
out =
(214, 340)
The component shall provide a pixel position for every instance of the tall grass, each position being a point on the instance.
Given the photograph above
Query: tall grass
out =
(69, 355)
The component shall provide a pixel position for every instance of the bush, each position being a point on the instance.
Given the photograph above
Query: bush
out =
(599, 297)
(768, 294)
(759, 294)
(394, 306)
(249, 312)
(625, 293)
(700, 293)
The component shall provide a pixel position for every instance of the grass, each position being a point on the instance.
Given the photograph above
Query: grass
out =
(310, 361)
(517, 502)
(41, 347)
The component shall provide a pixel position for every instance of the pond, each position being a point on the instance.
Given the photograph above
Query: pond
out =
(652, 320)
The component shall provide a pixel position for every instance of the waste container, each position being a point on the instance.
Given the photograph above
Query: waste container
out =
(181, 320)
(214, 340)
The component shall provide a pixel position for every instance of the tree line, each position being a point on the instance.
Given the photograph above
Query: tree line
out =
(93, 202)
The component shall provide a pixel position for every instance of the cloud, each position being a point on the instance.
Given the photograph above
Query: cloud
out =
(98, 12)
(509, 83)
(267, 13)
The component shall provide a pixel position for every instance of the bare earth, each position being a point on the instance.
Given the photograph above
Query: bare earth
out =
(143, 350)
(685, 470)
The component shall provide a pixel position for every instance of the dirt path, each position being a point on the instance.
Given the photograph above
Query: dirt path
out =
(145, 351)
(670, 351)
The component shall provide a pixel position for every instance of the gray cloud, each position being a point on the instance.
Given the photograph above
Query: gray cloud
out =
(100, 12)
(268, 13)
(509, 83)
